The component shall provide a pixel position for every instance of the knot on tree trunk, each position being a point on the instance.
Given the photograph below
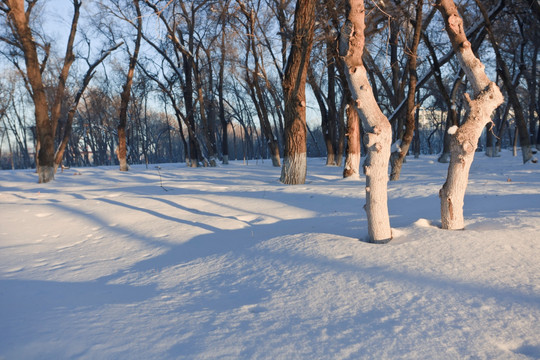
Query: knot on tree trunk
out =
(484, 104)
(372, 139)
(455, 22)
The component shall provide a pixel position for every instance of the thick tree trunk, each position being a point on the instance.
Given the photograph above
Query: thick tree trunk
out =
(294, 89)
(44, 128)
(465, 139)
(378, 135)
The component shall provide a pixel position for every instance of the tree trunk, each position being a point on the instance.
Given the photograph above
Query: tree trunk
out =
(352, 161)
(491, 149)
(207, 129)
(44, 127)
(335, 132)
(223, 120)
(411, 106)
(325, 126)
(190, 120)
(515, 141)
(531, 86)
(256, 91)
(416, 141)
(340, 148)
(378, 135)
(538, 112)
(126, 94)
(294, 89)
(465, 139)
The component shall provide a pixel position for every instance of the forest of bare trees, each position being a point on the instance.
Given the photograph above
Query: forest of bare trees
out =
(118, 82)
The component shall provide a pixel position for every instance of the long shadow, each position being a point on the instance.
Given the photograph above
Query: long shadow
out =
(37, 298)
(160, 215)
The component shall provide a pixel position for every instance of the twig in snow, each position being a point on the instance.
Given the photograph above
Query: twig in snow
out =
(160, 179)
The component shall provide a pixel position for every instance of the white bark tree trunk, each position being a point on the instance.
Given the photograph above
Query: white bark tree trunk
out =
(45, 174)
(465, 139)
(294, 169)
(378, 131)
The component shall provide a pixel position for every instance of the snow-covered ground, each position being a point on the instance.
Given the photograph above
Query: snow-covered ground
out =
(227, 263)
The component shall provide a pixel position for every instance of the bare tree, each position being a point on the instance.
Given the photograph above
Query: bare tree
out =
(378, 130)
(487, 97)
(397, 160)
(221, 82)
(521, 123)
(252, 78)
(59, 154)
(126, 93)
(19, 16)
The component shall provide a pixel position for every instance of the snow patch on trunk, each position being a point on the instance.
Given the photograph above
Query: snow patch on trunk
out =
(294, 169)
(452, 129)
(396, 146)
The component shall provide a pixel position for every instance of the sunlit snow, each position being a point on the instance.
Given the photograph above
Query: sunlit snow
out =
(227, 263)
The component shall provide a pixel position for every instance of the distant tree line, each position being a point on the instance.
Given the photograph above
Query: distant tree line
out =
(207, 82)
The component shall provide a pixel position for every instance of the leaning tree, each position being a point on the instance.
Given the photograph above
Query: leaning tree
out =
(464, 140)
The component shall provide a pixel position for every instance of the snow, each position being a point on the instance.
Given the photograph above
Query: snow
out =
(230, 264)
(396, 146)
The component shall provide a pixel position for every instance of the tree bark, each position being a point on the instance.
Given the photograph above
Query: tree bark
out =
(378, 130)
(465, 139)
(335, 131)
(352, 160)
(294, 89)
